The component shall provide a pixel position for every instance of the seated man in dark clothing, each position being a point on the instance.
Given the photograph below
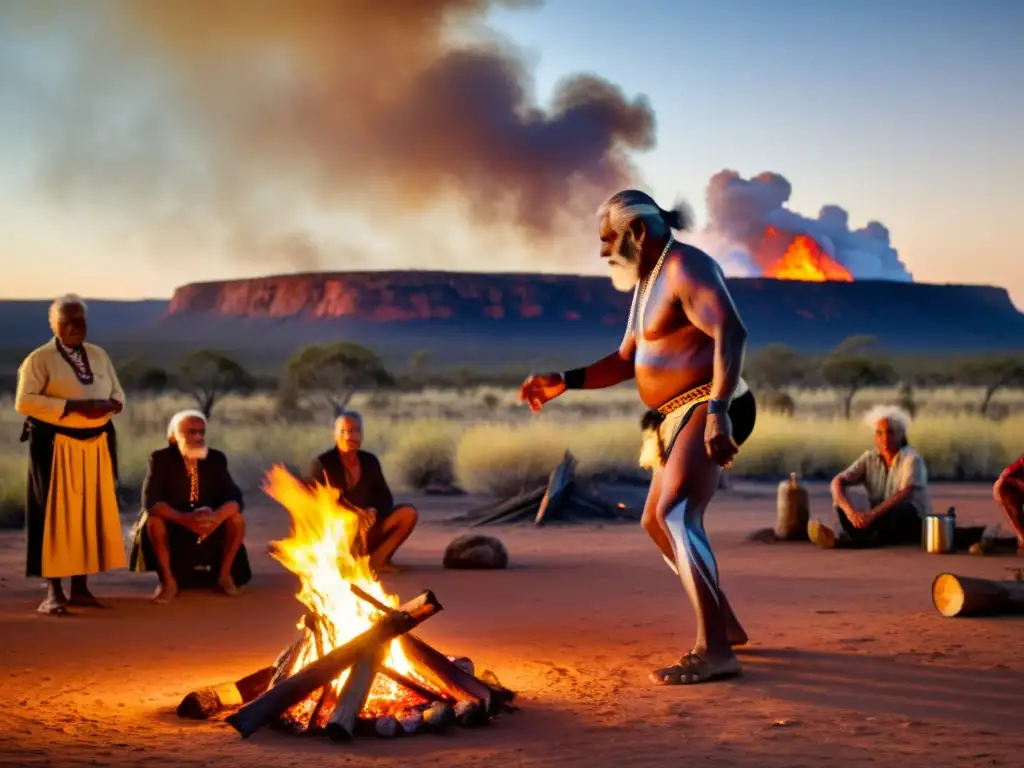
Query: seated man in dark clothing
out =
(1009, 494)
(191, 527)
(357, 475)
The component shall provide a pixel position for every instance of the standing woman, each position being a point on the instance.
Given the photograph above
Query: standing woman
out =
(68, 390)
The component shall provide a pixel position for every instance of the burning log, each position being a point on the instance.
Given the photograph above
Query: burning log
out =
(342, 722)
(955, 595)
(204, 703)
(449, 676)
(408, 683)
(324, 670)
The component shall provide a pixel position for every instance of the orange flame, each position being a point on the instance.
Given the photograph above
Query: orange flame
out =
(319, 550)
(803, 259)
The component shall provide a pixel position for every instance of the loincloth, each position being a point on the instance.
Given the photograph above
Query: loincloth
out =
(661, 426)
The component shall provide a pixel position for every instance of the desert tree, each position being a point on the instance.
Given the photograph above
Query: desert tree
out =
(208, 375)
(418, 362)
(915, 374)
(852, 366)
(775, 367)
(140, 377)
(335, 372)
(991, 374)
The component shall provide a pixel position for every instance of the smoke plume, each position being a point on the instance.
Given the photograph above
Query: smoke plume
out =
(740, 211)
(264, 127)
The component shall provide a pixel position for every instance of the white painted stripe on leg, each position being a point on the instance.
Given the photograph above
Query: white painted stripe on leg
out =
(702, 547)
(675, 521)
(668, 561)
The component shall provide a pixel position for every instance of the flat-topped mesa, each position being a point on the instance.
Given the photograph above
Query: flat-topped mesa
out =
(407, 296)
(415, 295)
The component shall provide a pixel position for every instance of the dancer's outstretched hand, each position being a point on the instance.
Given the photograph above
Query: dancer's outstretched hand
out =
(718, 439)
(540, 388)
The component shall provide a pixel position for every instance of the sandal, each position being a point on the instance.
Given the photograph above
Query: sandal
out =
(696, 668)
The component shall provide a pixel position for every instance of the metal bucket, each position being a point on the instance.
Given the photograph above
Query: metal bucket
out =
(937, 534)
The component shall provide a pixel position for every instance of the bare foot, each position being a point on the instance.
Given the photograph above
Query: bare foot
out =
(166, 592)
(53, 606)
(698, 668)
(85, 599)
(227, 586)
(737, 636)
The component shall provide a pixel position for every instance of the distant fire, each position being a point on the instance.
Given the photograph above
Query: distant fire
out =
(799, 257)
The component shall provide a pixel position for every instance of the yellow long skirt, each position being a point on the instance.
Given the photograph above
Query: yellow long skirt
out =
(82, 535)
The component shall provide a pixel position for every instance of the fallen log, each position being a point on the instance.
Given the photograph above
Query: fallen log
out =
(521, 506)
(448, 676)
(560, 484)
(342, 722)
(290, 691)
(204, 703)
(955, 595)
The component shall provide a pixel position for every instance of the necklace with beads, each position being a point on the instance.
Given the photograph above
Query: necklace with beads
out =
(642, 292)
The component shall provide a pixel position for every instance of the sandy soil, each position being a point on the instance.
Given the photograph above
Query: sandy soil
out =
(849, 662)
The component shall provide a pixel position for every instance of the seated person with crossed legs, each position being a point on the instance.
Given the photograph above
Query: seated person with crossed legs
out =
(357, 475)
(896, 480)
(191, 528)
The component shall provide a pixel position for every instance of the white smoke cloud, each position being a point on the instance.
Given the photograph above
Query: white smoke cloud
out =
(740, 210)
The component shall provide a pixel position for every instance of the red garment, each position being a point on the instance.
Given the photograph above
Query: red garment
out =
(1015, 470)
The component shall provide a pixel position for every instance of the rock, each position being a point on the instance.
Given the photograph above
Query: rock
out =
(477, 552)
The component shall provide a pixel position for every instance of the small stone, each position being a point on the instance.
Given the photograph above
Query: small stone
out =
(438, 715)
(410, 720)
(472, 551)
(386, 726)
(465, 664)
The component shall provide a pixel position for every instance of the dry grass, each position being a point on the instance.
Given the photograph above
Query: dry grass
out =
(486, 442)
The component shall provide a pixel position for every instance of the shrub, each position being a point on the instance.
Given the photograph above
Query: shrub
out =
(422, 458)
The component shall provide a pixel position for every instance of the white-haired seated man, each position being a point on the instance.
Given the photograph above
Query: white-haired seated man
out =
(190, 529)
(895, 480)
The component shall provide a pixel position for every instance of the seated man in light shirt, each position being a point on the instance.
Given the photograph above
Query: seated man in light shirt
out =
(896, 481)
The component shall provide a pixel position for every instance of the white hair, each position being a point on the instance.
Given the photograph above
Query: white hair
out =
(893, 414)
(176, 421)
(625, 207)
(63, 302)
(354, 415)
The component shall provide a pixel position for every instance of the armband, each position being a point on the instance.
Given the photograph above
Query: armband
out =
(574, 378)
(718, 406)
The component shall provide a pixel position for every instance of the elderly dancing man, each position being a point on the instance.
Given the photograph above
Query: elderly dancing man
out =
(896, 481)
(357, 475)
(68, 391)
(684, 344)
(190, 529)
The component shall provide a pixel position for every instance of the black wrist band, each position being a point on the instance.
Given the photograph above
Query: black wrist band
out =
(718, 406)
(574, 378)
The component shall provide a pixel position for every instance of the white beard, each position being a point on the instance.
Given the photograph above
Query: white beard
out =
(625, 274)
(194, 452)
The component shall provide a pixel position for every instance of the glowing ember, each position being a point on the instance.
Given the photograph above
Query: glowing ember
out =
(802, 259)
(319, 550)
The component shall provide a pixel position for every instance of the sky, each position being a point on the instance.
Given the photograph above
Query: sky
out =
(907, 113)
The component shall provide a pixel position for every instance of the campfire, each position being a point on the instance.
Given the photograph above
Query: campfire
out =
(353, 667)
(798, 257)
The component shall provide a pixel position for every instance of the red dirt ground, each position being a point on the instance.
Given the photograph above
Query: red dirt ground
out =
(849, 663)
